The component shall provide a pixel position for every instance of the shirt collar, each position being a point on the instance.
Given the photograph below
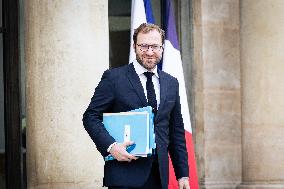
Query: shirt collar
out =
(140, 69)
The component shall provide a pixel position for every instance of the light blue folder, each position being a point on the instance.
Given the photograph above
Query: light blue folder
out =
(152, 143)
(136, 125)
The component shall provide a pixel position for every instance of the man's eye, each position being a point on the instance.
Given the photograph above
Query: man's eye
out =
(144, 45)
(155, 46)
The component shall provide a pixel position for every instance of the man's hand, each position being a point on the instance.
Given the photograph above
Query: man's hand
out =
(183, 183)
(118, 151)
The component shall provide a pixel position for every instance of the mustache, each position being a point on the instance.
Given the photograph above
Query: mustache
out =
(153, 56)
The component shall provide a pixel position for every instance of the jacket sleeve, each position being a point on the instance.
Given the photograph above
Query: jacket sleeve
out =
(101, 102)
(177, 145)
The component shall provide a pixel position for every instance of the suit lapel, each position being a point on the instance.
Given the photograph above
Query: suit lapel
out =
(163, 90)
(136, 84)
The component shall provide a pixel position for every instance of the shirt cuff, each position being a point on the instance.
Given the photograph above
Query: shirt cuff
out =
(110, 146)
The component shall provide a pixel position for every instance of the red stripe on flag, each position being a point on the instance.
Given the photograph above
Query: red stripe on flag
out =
(193, 180)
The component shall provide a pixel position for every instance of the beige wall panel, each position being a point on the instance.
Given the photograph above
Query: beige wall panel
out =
(262, 39)
(221, 12)
(222, 138)
(221, 57)
(219, 124)
(66, 53)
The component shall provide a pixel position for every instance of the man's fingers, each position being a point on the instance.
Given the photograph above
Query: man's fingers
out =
(125, 156)
(127, 143)
(128, 158)
(132, 157)
(119, 152)
(183, 184)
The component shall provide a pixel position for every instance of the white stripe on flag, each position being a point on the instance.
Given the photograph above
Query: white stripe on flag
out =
(138, 17)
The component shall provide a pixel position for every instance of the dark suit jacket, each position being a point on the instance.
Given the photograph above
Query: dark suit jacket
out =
(120, 90)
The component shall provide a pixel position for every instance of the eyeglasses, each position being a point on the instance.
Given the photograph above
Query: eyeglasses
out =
(145, 47)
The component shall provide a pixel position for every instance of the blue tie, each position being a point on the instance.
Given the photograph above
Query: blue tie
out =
(151, 96)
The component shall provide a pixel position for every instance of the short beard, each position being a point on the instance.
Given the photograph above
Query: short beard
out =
(140, 61)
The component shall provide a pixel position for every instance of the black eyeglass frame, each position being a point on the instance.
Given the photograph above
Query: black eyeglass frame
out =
(145, 47)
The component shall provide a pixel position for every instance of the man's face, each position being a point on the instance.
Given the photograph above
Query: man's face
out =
(149, 49)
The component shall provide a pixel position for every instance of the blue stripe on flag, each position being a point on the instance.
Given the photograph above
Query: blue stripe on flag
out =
(170, 25)
(149, 12)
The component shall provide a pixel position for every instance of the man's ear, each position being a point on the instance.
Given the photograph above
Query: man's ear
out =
(163, 47)
(134, 46)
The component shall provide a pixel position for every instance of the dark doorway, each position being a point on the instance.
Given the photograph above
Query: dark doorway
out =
(12, 95)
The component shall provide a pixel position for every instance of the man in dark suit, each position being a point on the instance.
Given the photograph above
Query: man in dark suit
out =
(134, 86)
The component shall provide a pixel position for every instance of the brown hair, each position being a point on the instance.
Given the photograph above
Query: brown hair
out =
(146, 28)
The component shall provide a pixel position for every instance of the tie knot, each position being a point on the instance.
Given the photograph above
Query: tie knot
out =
(149, 75)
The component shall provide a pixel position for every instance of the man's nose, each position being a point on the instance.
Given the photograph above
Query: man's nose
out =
(149, 51)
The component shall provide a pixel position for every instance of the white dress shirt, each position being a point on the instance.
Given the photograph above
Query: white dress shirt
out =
(143, 79)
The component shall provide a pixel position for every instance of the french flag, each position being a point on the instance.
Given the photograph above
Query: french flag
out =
(172, 64)
(141, 13)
